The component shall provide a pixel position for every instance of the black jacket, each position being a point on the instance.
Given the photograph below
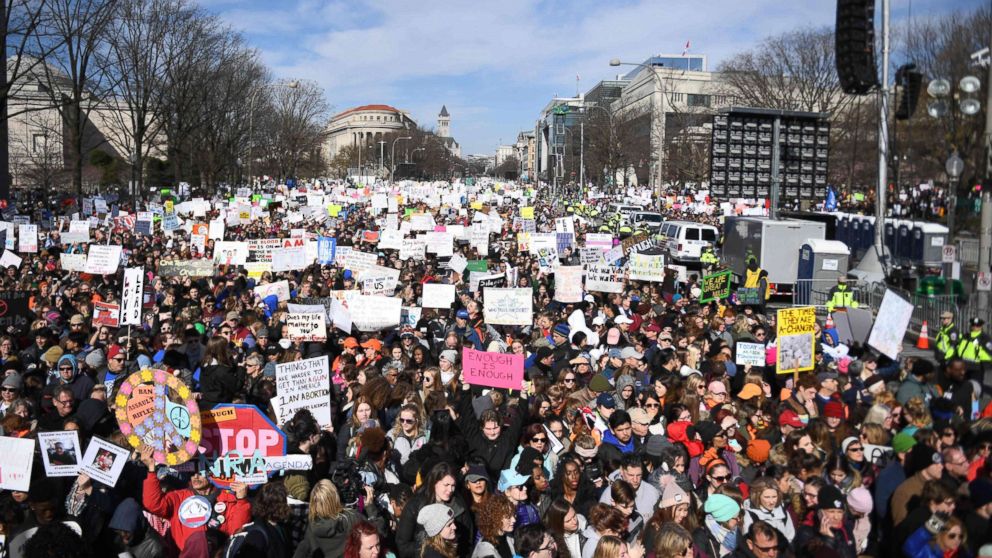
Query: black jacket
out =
(410, 535)
(219, 383)
(496, 453)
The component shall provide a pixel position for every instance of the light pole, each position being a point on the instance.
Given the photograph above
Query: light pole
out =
(661, 119)
(392, 157)
(954, 167)
(251, 113)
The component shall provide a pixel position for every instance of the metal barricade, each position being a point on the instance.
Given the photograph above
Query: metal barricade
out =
(968, 251)
(816, 292)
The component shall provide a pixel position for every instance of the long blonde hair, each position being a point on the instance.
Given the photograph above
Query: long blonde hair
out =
(325, 503)
(608, 547)
(672, 541)
(444, 547)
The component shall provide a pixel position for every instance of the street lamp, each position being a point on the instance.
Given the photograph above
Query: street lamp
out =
(954, 167)
(251, 113)
(661, 116)
(392, 157)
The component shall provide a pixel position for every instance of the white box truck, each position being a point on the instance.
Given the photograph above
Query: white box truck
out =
(775, 244)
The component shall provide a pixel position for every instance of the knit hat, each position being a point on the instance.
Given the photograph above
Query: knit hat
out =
(902, 442)
(95, 360)
(829, 498)
(758, 450)
(52, 355)
(450, 356)
(722, 508)
(921, 457)
(706, 429)
(673, 496)
(13, 381)
(833, 409)
(980, 491)
(859, 500)
(847, 442)
(600, 384)
(655, 445)
(562, 329)
(127, 516)
(434, 517)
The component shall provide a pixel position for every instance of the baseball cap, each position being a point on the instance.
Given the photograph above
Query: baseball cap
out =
(463, 314)
(621, 319)
(477, 473)
(113, 351)
(749, 391)
(789, 417)
(977, 322)
(510, 478)
(372, 344)
(350, 343)
(630, 352)
(606, 400)
(639, 415)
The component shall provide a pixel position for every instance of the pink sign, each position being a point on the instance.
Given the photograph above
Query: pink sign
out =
(440, 228)
(499, 370)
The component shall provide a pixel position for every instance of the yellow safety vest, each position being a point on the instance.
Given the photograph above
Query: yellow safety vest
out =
(945, 339)
(842, 298)
(971, 350)
(752, 281)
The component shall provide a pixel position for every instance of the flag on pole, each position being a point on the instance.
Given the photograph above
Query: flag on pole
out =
(686, 49)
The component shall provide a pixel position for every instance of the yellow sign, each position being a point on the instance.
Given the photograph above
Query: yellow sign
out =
(527, 212)
(476, 205)
(333, 210)
(796, 343)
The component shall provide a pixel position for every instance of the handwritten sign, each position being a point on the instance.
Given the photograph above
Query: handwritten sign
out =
(568, 284)
(715, 287)
(306, 327)
(303, 384)
(132, 296)
(795, 339)
(647, 268)
(499, 370)
(157, 410)
(16, 459)
(437, 295)
(372, 313)
(103, 259)
(604, 279)
(750, 353)
(279, 288)
(508, 306)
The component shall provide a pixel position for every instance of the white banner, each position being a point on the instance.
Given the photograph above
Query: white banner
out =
(132, 296)
(568, 283)
(103, 259)
(438, 296)
(10, 259)
(508, 306)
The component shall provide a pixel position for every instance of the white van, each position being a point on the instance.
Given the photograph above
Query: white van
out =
(648, 220)
(685, 240)
(624, 209)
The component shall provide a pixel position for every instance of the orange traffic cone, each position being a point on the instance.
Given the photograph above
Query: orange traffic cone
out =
(923, 342)
(830, 322)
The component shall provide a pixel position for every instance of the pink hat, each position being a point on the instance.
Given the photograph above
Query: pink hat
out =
(613, 336)
(717, 386)
(859, 500)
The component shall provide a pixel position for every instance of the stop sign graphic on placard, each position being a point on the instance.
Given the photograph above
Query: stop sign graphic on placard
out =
(236, 440)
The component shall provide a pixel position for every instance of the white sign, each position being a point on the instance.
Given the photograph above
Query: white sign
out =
(457, 263)
(307, 327)
(10, 259)
(568, 283)
(750, 353)
(104, 461)
(216, 231)
(27, 236)
(16, 458)
(438, 296)
(830, 264)
(508, 306)
(72, 262)
(289, 259)
(303, 384)
(279, 288)
(413, 248)
(372, 313)
(983, 282)
(103, 259)
(604, 279)
(890, 325)
(132, 296)
(948, 252)
(647, 268)
(60, 452)
(229, 252)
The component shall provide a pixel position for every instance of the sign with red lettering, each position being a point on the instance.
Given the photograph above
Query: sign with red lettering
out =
(499, 370)
(237, 439)
(106, 314)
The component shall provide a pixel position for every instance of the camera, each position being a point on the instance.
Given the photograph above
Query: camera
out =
(593, 471)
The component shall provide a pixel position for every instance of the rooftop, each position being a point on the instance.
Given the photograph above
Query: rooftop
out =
(364, 108)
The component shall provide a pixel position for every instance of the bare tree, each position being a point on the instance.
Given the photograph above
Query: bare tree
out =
(291, 129)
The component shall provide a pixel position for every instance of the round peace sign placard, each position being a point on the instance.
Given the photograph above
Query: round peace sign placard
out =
(156, 409)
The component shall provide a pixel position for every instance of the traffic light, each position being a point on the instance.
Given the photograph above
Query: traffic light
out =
(854, 46)
(910, 82)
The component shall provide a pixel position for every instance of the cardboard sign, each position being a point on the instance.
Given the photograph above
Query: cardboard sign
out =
(750, 353)
(103, 259)
(106, 314)
(644, 267)
(104, 461)
(236, 441)
(60, 452)
(715, 287)
(437, 295)
(890, 326)
(508, 306)
(499, 370)
(131, 296)
(16, 459)
(568, 284)
(303, 384)
(307, 327)
(604, 279)
(795, 339)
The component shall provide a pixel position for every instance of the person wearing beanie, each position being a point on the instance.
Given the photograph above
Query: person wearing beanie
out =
(765, 503)
(673, 508)
(11, 390)
(893, 474)
(718, 536)
(979, 519)
(829, 528)
(758, 451)
(438, 522)
(859, 502)
(924, 464)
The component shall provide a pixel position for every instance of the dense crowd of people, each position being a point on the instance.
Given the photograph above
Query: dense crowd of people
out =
(634, 435)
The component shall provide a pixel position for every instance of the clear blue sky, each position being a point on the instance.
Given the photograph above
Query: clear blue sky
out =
(495, 64)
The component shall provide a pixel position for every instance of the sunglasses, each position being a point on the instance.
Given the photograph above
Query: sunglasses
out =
(652, 405)
(8, 389)
(722, 478)
(539, 440)
(953, 536)
(121, 359)
(856, 450)
(569, 380)
(408, 421)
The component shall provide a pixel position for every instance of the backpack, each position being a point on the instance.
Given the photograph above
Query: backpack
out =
(237, 541)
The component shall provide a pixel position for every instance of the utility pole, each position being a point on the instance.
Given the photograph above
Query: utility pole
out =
(985, 228)
(582, 154)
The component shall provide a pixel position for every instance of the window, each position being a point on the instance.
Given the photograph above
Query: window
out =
(38, 142)
(698, 100)
(677, 97)
(709, 235)
(691, 233)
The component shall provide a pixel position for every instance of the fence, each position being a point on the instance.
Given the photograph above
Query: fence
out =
(968, 249)
(816, 292)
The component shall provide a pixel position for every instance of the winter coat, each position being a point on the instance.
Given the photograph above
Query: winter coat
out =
(219, 383)
(410, 535)
(921, 544)
(777, 518)
(328, 535)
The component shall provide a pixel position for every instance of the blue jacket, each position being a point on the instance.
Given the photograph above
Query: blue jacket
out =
(921, 545)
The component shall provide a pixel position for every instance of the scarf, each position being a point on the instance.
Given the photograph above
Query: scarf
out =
(726, 537)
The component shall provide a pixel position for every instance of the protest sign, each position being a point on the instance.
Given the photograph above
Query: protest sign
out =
(890, 326)
(326, 247)
(106, 314)
(568, 283)
(547, 258)
(565, 225)
(289, 259)
(279, 288)
(131, 296)
(499, 370)
(156, 409)
(103, 461)
(750, 353)
(216, 229)
(410, 315)
(230, 252)
(853, 325)
(749, 296)
(604, 279)
(457, 263)
(10, 259)
(16, 459)
(307, 327)
(438, 296)
(237, 439)
(27, 238)
(340, 316)
(613, 255)
(78, 233)
(303, 384)
(354, 260)
(144, 227)
(508, 306)
(795, 339)
(372, 313)
(72, 262)
(14, 310)
(715, 287)
(647, 268)
(600, 241)
(103, 259)
(186, 268)
(413, 248)
(60, 452)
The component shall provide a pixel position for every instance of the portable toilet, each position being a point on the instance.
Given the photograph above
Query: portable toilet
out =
(867, 237)
(929, 240)
(843, 221)
(889, 235)
(904, 242)
(821, 262)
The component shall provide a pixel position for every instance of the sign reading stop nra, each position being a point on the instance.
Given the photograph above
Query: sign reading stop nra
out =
(236, 441)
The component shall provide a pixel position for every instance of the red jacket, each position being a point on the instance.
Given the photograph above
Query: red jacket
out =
(237, 514)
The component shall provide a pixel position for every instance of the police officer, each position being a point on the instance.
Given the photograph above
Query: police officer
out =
(975, 349)
(757, 278)
(947, 337)
(708, 259)
(841, 296)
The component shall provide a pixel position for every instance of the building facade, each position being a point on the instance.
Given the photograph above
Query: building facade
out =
(364, 126)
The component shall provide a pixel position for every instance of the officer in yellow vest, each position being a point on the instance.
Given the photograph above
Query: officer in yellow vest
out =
(947, 336)
(975, 349)
(757, 278)
(840, 296)
(708, 259)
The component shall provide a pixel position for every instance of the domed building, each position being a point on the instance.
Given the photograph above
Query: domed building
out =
(364, 125)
